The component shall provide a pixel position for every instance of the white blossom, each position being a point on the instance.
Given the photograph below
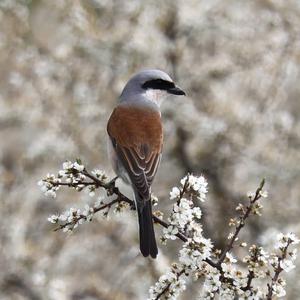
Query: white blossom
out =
(250, 195)
(78, 167)
(174, 280)
(278, 289)
(197, 184)
(264, 194)
(194, 251)
(197, 212)
(287, 265)
(61, 173)
(257, 261)
(154, 200)
(100, 175)
(50, 193)
(53, 219)
(170, 232)
(229, 258)
(175, 192)
(67, 165)
(284, 239)
(211, 285)
(49, 185)
(63, 217)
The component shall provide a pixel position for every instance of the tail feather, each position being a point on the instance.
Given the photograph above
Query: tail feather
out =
(147, 236)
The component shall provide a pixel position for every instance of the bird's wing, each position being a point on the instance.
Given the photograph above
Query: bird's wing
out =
(136, 135)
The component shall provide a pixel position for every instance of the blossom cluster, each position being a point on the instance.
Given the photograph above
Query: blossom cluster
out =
(262, 267)
(254, 275)
(169, 285)
(72, 175)
(214, 284)
(194, 184)
(185, 218)
(245, 277)
(257, 261)
(71, 172)
(283, 259)
(195, 251)
(50, 185)
(185, 215)
(71, 218)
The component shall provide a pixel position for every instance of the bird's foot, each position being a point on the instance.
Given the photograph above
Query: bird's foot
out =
(113, 181)
(111, 186)
(132, 206)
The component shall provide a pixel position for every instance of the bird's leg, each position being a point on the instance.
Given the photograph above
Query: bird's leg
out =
(133, 206)
(111, 186)
(113, 181)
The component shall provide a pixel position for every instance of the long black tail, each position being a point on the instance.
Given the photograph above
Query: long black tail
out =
(147, 236)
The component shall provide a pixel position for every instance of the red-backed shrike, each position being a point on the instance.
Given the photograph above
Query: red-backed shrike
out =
(136, 141)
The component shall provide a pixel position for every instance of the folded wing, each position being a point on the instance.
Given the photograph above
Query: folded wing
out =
(136, 135)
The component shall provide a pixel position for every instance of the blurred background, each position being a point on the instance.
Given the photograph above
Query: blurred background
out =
(63, 64)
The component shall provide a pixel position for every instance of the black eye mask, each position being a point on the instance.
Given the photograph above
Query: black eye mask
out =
(158, 84)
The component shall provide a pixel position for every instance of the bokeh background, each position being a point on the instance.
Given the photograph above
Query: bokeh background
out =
(63, 64)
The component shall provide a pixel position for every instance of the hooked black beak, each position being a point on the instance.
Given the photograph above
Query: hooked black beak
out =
(176, 91)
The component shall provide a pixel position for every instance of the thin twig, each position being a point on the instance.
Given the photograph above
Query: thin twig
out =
(278, 269)
(168, 285)
(250, 277)
(242, 222)
(107, 205)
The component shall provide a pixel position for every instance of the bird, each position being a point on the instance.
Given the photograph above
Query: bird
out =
(136, 140)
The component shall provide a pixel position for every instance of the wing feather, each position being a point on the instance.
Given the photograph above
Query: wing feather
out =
(141, 173)
(136, 136)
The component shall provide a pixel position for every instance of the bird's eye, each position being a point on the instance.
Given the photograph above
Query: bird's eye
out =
(158, 84)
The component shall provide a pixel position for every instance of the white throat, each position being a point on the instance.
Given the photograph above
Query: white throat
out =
(155, 96)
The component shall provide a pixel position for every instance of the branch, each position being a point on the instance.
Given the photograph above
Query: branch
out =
(278, 270)
(81, 216)
(242, 220)
(183, 223)
(165, 290)
(111, 189)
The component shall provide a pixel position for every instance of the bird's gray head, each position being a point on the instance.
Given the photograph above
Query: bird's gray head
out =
(150, 84)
